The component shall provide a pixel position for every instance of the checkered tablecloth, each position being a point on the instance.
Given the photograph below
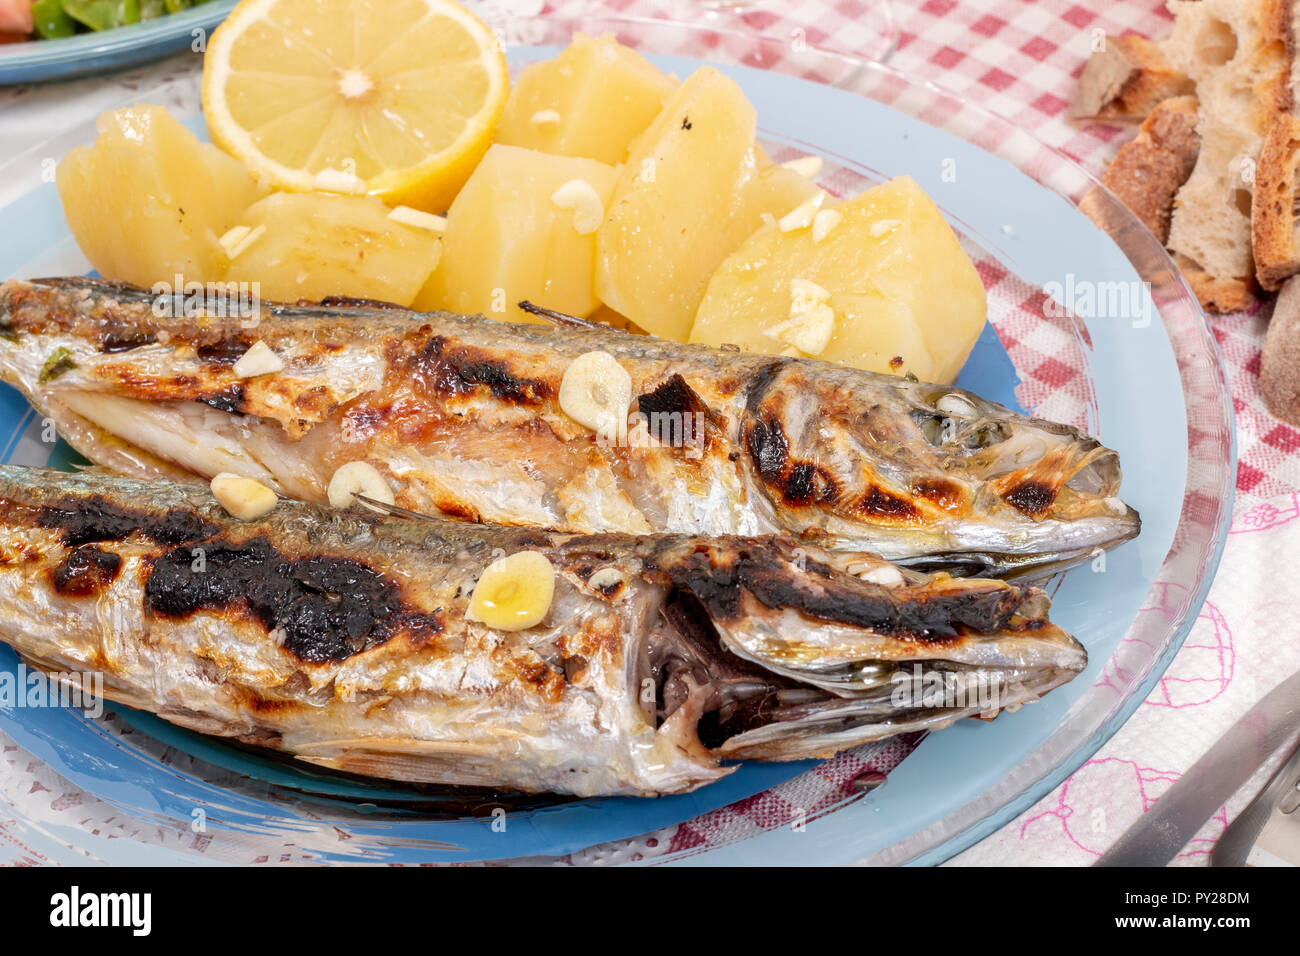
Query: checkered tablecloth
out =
(1018, 58)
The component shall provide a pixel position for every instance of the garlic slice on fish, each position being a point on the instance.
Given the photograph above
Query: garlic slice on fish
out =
(514, 592)
(258, 360)
(596, 392)
(244, 498)
(358, 478)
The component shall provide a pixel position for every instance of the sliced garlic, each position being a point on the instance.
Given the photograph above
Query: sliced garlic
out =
(244, 498)
(588, 209)
(232, 238)
(239, 238)
(801, 216)
(258, 360)
(806, 166)
(812, 320)
(596, 392)
(418, 218)
(358, 478)
(605, 579)
(824, 222)
(545, 118)
(514, 592)
(886, 575)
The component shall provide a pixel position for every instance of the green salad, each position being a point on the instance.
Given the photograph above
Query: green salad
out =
(52, 19)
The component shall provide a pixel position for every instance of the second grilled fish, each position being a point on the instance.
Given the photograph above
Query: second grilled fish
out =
(462, 416)
(344, 639)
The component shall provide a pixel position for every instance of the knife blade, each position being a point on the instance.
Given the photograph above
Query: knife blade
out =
(1157, 836)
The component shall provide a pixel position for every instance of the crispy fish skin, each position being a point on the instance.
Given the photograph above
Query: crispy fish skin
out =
(462, 415)
(342, 638)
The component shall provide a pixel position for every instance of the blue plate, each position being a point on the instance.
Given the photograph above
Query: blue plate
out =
(960, 783)
(88, 53)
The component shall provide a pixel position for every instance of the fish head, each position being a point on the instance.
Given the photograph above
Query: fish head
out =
(929, 474)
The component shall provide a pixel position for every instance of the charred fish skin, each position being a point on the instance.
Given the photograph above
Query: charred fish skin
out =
(343, 638)
(462, 415)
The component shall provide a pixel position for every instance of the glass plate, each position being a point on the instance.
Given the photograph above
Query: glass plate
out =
(1134, 364)
(88, 53)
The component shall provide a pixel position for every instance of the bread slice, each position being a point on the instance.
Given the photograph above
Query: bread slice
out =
(1149, 169)
(1279, 370)
(1275, 230)
(1238, 53)
(1124, 81)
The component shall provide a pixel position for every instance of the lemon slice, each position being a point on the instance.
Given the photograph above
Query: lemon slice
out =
(390, 98)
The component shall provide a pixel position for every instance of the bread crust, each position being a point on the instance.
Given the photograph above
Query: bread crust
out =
(1148, 171)
(1279, 370)
(1273, 207)
(1125, 81)
(1217, 293)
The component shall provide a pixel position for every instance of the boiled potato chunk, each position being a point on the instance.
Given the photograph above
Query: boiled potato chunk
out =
(904, 296)
(147, 201)
(592, 100)
(312, 245)
(694, 187)
(513, 235)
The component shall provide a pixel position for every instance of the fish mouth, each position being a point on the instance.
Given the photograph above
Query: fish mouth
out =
(755, 657)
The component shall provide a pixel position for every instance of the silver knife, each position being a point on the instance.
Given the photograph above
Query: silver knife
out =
(1160, 833)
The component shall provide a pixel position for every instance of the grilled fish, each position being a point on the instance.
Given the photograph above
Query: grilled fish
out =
(462, 416)
(343, 638)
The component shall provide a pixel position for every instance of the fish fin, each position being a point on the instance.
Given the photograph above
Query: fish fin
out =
(401, 745)
(394, 511)
(458, 763)
(71, 681)
(560, 319)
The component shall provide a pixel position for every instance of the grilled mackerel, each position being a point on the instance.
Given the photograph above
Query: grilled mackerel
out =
(342, 638)
(461, 414)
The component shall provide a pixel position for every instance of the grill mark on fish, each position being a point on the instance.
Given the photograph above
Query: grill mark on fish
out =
(879, 503)
(1031, 497)
(672, 397)
(769, 449)
(798, 483)
(329, 608)
(85, 571)
(97, 519)
(939, 491)
(937, 618)
(760, 385)
(223, 352)
(124, 339)
(458, 370)
(231, 400)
